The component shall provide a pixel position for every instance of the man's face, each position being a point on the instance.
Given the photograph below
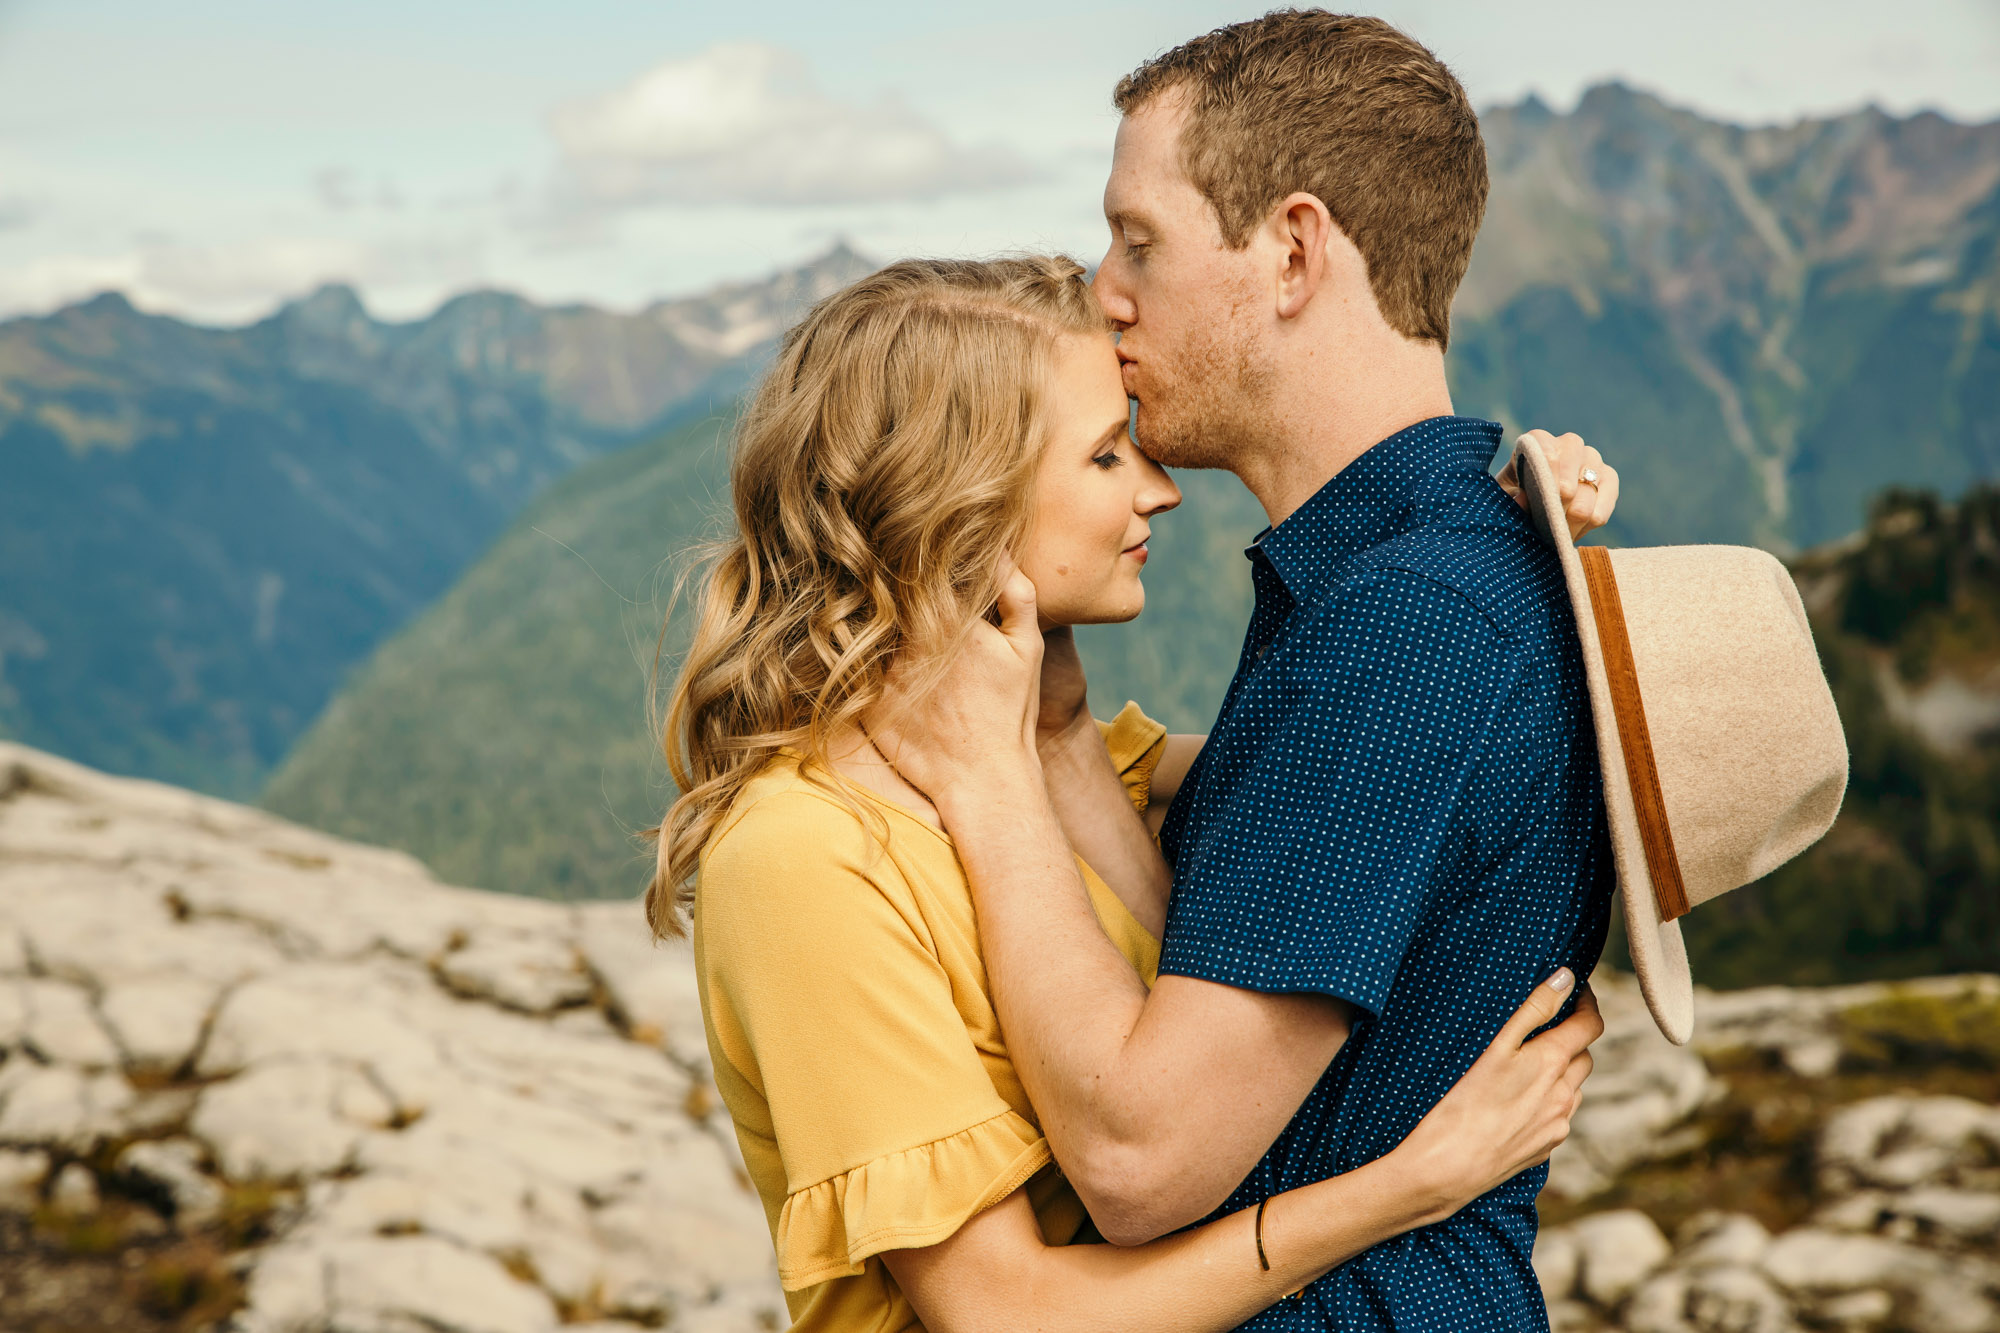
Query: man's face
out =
(1190, 310)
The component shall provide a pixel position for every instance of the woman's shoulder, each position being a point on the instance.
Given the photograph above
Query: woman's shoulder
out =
(795, 859)
(788, 829)
(781, 802)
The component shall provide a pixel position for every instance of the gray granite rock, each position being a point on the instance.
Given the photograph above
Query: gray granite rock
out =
(478, 1125)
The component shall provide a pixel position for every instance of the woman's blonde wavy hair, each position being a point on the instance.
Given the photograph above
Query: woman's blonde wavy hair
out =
(884, 464)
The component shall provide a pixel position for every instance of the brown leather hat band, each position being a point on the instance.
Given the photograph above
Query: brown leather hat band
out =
(1657, 836)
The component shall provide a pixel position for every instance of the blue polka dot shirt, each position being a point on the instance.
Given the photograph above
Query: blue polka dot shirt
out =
(1399, 807)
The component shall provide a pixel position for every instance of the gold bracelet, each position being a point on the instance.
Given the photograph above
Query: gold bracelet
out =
(1263, 1260)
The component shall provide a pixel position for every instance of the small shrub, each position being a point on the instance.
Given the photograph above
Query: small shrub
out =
(1906, 1029)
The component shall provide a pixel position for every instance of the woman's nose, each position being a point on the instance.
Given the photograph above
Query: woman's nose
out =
(1157, 493)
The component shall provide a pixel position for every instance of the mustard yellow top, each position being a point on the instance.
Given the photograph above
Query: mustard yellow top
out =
(854, 1040)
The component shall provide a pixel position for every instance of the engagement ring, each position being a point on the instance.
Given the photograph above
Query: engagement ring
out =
(1588, 476)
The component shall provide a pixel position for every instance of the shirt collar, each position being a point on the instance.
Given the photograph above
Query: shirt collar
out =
(1372, 499)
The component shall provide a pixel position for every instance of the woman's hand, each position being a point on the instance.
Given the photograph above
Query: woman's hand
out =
(1513, 1107)
(1588, 506)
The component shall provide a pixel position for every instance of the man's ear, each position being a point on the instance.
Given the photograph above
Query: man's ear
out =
(1303, 227)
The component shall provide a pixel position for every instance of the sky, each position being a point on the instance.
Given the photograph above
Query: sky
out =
(213, 158)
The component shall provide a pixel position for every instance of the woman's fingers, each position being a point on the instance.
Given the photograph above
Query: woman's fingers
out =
(1587, 505)
(1607, 497)
(1537, 1010)
(1579, 493)
(1579, 1069)
(1575, 1033)
(1565, 456)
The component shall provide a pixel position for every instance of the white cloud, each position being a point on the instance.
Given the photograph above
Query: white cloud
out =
(746, 123)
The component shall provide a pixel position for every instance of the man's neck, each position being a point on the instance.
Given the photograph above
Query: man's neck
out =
(1328, 414)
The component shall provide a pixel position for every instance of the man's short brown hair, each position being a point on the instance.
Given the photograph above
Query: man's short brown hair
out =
(1345, 108)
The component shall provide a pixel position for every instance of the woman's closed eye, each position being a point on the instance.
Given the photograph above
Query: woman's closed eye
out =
(1108, 459)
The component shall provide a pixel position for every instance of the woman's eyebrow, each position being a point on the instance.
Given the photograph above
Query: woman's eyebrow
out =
(1117, 428)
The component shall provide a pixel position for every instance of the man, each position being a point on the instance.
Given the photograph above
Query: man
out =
(1395, 829)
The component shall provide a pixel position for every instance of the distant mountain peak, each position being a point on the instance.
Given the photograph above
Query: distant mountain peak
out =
(841, 255)
(110, 302)
(730, 320)
(331, 302)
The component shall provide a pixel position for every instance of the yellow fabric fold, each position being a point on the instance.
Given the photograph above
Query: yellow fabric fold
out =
(904, 1200)
(1136, 743)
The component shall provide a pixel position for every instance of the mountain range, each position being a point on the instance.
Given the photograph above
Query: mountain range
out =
(202, 530)
(340, 549)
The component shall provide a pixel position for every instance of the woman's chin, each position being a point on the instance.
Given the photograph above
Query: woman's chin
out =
(1110, 611)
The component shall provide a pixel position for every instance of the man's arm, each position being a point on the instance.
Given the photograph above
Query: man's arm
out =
(1157, 1106)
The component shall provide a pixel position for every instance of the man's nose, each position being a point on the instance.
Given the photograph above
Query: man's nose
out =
(1118, 307)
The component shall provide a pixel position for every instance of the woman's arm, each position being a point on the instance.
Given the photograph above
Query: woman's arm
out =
(1175, 761)
(1507, 1114)
(1088, 795)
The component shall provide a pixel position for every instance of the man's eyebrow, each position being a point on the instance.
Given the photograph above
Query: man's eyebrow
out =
(1126, 217)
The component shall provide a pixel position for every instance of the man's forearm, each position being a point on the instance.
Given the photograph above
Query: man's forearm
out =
(1157, 1105)
(1068, 1000)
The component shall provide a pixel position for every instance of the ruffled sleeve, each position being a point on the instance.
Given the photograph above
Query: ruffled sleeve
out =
(828, 1001)
(1136, 743)
(904, 1200)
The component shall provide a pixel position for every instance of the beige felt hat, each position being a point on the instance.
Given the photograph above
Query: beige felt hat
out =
(1722, 754)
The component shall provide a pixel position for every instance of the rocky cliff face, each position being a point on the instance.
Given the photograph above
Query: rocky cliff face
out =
(247, 1065)
(255, 1076)
(1817, 1159)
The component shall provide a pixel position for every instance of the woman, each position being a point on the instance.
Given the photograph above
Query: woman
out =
(917, 430)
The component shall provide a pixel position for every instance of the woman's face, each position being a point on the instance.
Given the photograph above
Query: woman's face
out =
(1095, 495)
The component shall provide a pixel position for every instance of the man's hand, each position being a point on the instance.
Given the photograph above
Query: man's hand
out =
(956, 724)
(1587, 505)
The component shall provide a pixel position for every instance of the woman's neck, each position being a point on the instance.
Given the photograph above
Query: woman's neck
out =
(855, 758)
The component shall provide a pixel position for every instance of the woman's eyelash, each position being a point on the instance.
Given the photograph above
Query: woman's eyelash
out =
(1108, 460)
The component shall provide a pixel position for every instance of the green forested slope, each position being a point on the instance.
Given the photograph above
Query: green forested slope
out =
(502, 737)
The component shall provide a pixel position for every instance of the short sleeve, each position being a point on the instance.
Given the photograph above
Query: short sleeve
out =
(1316, 877)
(827, 998)
(1136, 743)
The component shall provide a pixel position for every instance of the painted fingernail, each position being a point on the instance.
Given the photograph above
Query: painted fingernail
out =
(1562, 980)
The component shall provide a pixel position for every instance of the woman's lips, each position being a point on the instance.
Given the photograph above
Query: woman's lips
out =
(1138, 552)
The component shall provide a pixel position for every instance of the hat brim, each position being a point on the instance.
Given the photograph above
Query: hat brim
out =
(1659, 955)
